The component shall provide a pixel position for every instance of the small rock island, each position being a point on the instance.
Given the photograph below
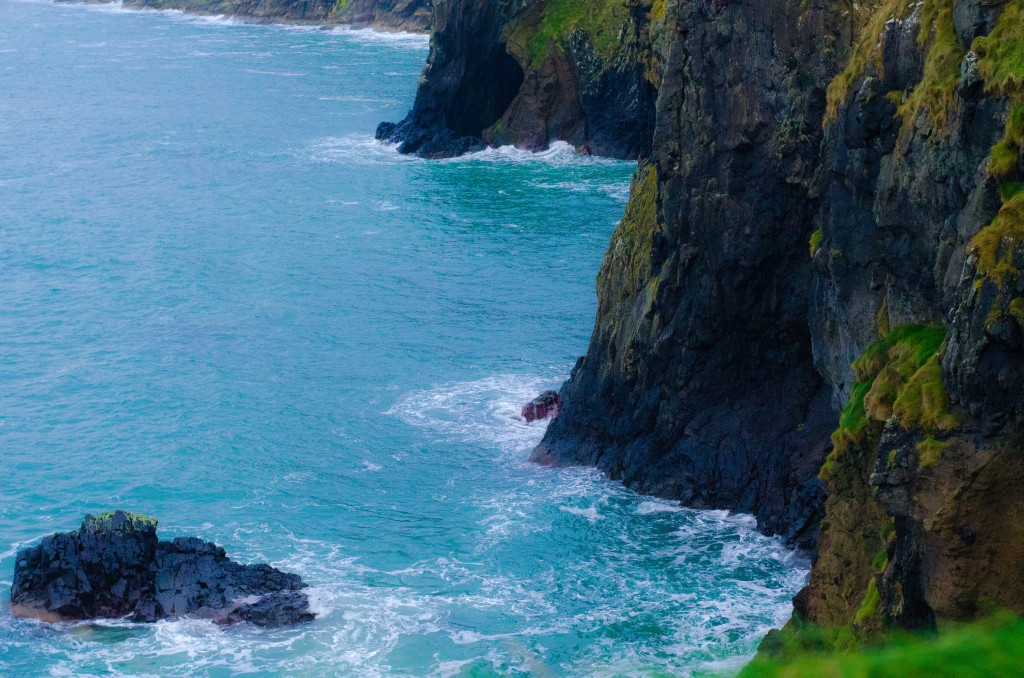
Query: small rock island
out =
(114, 566)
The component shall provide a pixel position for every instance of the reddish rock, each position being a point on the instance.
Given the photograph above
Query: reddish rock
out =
(544, 406)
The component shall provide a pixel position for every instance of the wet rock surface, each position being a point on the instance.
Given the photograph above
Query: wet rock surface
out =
(544, 406)
(114, 566)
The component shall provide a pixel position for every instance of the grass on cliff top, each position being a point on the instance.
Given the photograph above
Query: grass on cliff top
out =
(602, 19)
(105, 521)
(992, 647)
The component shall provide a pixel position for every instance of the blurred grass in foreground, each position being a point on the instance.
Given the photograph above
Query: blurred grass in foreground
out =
(992, 647)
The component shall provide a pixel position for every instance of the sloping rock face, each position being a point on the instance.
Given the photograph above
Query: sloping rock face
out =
(114, 566)
(533, 72)
(404, 15)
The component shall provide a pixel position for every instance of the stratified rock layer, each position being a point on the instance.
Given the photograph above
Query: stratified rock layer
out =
(114, 566)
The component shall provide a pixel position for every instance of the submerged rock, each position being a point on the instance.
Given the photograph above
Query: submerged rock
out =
(114, 566)
(544, 406)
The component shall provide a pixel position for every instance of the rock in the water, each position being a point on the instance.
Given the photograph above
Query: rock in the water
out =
(114, 566)
(544, 406)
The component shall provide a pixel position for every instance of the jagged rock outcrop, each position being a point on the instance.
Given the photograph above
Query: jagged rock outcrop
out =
(114, 566)
(402, 15)
(532, 72)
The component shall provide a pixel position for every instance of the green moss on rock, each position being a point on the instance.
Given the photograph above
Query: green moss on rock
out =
(1017, 310)
(899, 374)
(929, 451)
(601, 19)
(994, 245)
(869, 606)
(118, 521)
(816, 242)
(934, 93)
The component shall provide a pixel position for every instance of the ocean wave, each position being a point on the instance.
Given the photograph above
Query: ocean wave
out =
(364, 35)
(618, 190)
(483, 411)
(364, 148)
(371, 36)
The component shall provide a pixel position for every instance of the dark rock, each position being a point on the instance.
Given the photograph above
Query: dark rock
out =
(114, 566)
(486, 83)
(699, 382)
(544, 406)
(972, 18)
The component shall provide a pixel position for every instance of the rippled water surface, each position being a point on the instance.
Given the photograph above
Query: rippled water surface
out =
(223, 304)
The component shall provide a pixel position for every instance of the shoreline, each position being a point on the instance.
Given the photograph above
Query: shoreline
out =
(274, 19)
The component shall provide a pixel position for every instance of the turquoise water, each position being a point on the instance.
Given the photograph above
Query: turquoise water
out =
(225, 305)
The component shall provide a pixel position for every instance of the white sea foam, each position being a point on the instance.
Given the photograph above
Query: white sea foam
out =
(558, 153)
(618, 190)
(590, 513)
(363, 148)
(364, 36)
(282, 74)
(651, 506)
(483, 411)
(377, 37)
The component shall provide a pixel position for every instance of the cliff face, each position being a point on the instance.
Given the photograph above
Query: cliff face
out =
(699, 381)
(533, 72)
(813, 308)
(405, 15)
(917, 267)
(723, 355)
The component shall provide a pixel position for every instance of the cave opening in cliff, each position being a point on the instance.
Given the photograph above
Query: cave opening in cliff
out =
(485, 93)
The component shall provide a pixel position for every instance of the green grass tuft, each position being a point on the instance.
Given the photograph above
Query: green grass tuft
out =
(995, 243)
(601, 19)
(816, 242)
(898, 374)
(929, 452)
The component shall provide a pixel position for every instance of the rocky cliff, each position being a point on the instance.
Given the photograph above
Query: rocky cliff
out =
(813, 308)
(404, 15)
(887, 137)
(535, 71)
